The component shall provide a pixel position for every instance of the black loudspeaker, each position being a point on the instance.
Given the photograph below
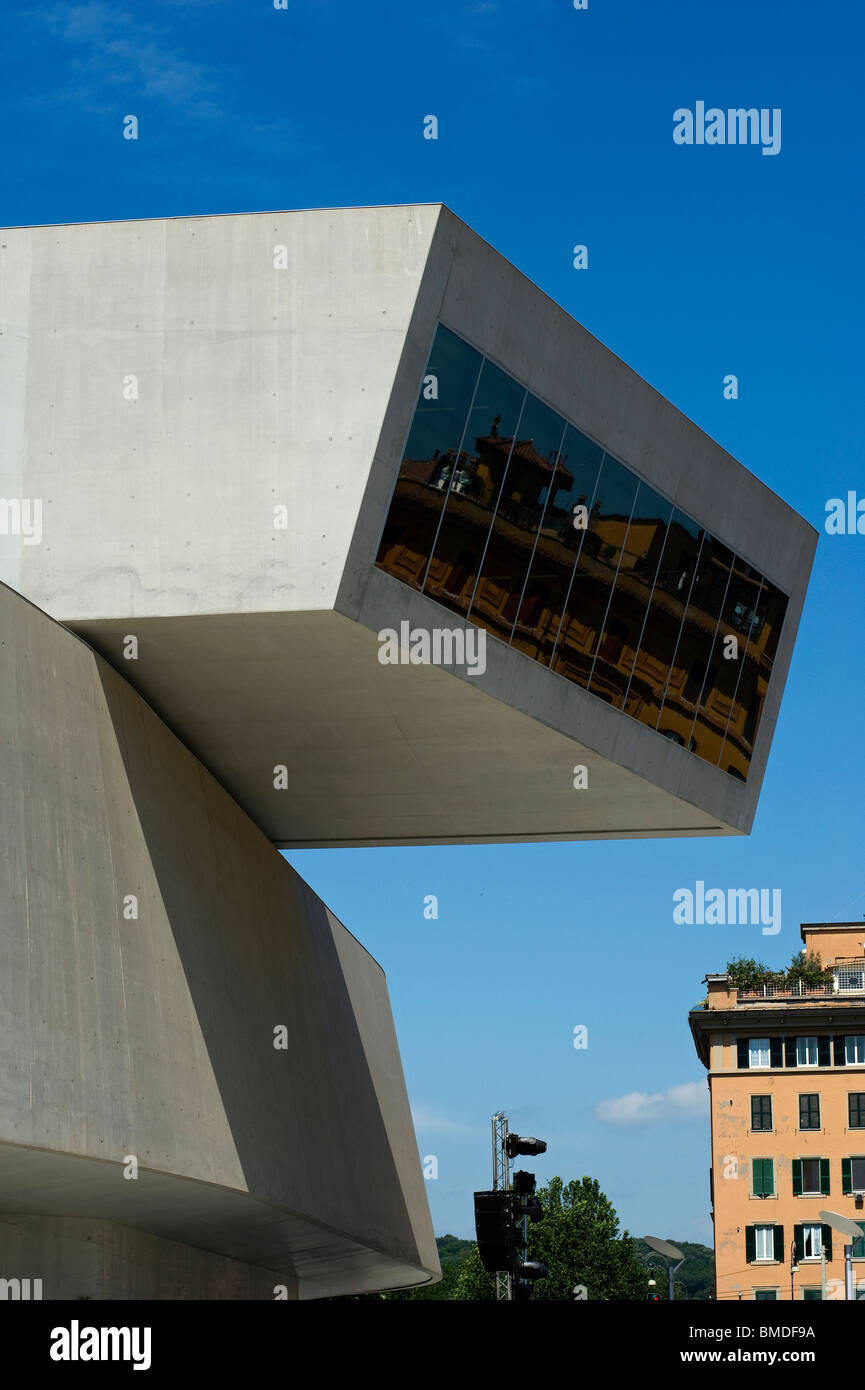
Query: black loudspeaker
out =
(499, 1237)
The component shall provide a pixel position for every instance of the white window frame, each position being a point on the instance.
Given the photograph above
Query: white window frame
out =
(803, 1048)
(812, 1226)
(858, 1049)
(756, 1048)
(768, 1232)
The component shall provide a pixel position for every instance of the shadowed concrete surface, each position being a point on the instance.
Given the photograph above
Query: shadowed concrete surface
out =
(152, 1035)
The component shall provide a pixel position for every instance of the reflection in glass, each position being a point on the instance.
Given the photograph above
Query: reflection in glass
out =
(623, 624)
(521, 505)
(596, 571)
(670, 595)
(692, 667)
(718, 699)
(506, 514)
(557, 546)
(471, 502)
(432, 455)
(757, 669)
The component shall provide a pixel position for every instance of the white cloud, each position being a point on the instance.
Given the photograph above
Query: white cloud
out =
(428, 1122)
(689, 1099)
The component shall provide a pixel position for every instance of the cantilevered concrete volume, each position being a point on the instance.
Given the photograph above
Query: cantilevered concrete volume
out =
(317, 528)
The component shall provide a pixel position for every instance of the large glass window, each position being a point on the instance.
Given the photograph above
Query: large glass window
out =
(432, 454)
(766, 632)
(623, 624)
(596, 571)
(471, 502)
(807, 1052)
(507, 514)
(693, 669)
(529, 478)
(660, 636)
(854, 1049)
(560, 538)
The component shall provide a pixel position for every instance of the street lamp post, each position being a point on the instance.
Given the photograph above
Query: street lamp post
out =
(851, 1230)
(669, 1252)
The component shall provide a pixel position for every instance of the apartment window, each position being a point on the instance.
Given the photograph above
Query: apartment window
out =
(765, 1295)
(849, 979)
(853, 1175)
(810, 1177)
(764, 1243)
(812, 1242)
(854, 1049)
(855, 1110)
(807, 1052)
(761, 1112)
(759, 1054)
(813, 1295)
(859, 1245)
(763, 1177)
(809, 1111)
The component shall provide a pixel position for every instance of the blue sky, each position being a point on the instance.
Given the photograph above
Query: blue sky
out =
(555, 128)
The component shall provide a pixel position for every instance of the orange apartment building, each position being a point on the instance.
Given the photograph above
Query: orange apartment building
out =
(786, 1072)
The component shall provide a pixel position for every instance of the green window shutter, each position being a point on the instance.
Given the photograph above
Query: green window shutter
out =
(798, 1242)
(797, 1177)
(789, 1052)
(776, 1052)
(750, 1244)
(761, 1177)
(742, 1053)
(779, 1242)
(824, 1177)
(840, 1058)
(824, 1058)
(846, 1176)
(827, 1241)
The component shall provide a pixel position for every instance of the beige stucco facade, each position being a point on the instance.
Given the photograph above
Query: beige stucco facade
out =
(788, 1142)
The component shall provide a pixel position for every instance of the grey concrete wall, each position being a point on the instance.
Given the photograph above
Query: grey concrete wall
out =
(153, 1037)
(257, 386)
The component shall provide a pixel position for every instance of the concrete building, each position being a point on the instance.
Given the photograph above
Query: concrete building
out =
(786, 1071)
(317, 528)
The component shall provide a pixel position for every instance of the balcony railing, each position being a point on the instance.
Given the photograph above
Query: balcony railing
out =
(848, 981)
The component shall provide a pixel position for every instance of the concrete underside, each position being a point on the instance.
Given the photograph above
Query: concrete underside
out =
(152, 1035)
(80, 1259)
(381, 754)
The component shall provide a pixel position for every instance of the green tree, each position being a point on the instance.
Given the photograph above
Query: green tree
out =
(808, 969)
(473, 1281)
(580, 1243)
(747, 973)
